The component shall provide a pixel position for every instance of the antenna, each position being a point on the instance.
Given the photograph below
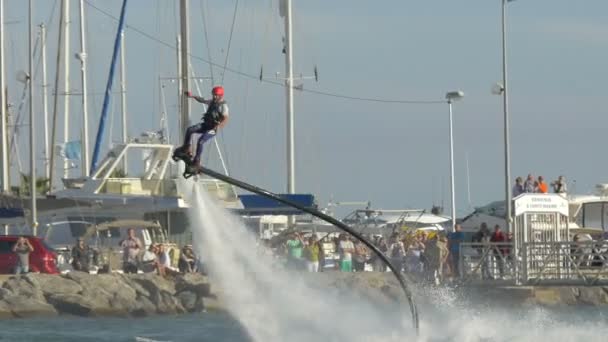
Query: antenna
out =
(301, 77)
(468, 181)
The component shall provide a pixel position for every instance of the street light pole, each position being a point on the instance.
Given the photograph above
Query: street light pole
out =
(452, 96)
(453, 200)
(506, 119)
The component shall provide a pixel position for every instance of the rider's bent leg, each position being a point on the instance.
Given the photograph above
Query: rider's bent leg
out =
(210, 134)
(198, 128)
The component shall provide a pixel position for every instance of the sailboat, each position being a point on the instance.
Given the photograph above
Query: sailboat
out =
(108, 194)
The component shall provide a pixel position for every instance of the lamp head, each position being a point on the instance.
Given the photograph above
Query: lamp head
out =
(23, 76)
(454, 95)
(498, 88)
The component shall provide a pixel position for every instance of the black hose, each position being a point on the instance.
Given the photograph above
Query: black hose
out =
(328, 219)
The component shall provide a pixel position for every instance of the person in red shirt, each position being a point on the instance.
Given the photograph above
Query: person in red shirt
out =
(499, 237)
(543, 188)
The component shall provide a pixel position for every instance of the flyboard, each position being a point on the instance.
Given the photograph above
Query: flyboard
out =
(252, 188)
(191, 169)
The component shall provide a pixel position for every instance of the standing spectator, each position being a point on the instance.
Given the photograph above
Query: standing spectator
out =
(23, 248)
(294, 251)
(499, 237)
(485, 252)
(311, 255)
(483, 230)
(413, 256)
(131, 246)
(377, 263)
(444, 254)
(529, 186)
(346, 248)
(455, 238)
(559, 186)
(361, 256)
(518, 188)
(432, 255)
(543, 188)
(80, 256)
(396, 252)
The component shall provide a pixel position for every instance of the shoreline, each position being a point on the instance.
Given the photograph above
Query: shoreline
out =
(143, 295)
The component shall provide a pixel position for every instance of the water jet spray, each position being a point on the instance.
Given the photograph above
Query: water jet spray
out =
(328, 219)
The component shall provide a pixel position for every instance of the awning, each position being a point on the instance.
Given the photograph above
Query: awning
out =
(259, 205)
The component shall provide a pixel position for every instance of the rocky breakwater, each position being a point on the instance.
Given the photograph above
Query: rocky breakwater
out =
(84, 294)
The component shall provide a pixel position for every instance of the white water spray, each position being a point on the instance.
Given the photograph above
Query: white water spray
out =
(274, 304)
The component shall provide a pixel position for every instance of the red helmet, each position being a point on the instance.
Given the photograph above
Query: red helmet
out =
(218, 90)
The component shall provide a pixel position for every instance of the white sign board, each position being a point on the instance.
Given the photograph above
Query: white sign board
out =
(541, 203)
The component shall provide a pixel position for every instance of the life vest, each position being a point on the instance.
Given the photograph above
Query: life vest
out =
(215, 113)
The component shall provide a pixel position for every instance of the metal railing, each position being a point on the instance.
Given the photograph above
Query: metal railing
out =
(536, 263)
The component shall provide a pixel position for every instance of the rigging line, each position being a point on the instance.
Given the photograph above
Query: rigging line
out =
(204, 21)
(256, 77)
(266, 36)
(236, 7)
(17, 122)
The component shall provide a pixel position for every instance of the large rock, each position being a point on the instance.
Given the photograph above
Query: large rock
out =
(140, 290)
(592, 295)
(111, 293)
(72, 304)
(192, 282)
(25, 307)
(154, 283)
(191, 301)
(52, 284)
(143, 307)
(83, 294)
(24, 287)
(166, 303)
(5, 311)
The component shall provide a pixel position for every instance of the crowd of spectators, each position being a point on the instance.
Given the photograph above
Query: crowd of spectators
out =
(426, 255)
(538, 185)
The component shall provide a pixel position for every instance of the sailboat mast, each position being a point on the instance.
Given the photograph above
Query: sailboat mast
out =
(291, 186)
(106, 99)
(45, 102)
(85, 115)
(32, 125)
(66, 83)
(180, 91)
(3, 114)
(56, 99)
(123, 95)
(185, 54)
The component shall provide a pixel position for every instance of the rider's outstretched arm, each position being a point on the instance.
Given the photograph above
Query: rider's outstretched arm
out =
(198, 99)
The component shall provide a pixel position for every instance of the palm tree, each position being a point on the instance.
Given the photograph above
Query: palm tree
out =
(42, 186)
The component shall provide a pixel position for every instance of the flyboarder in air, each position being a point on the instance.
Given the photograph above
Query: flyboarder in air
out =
(214, 118)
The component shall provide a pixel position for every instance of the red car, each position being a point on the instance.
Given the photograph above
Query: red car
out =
(43, 259)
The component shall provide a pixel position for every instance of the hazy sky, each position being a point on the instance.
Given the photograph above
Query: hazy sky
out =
(395, 155)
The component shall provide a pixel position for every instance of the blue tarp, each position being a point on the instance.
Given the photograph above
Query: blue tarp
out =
(7, 213)
(260, 205)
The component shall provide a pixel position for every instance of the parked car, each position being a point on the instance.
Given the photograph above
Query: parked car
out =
(42, 259)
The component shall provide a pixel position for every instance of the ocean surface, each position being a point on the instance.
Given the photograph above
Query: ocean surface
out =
(565, 324)
(196, 327)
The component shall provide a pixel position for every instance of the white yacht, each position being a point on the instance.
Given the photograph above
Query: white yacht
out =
(109, 195)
